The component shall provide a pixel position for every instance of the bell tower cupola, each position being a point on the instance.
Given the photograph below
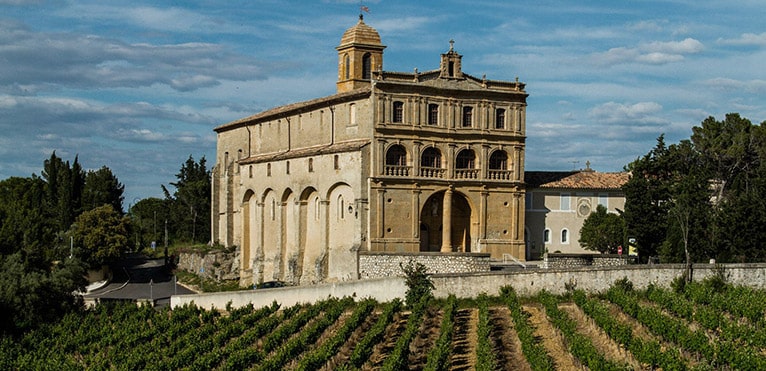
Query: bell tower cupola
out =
(451, 66)
(359, 54)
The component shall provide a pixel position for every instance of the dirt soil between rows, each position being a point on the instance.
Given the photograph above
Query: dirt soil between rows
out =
(551, 338)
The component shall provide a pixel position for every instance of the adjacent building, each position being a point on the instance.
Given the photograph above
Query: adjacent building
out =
(429, 162)
(558, 202)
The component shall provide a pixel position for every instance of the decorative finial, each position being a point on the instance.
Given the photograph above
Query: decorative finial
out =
(451, 44)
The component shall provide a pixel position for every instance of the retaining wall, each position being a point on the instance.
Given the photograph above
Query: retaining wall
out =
(525, 282)
(585, 260)
(217, 264)
(388, 264)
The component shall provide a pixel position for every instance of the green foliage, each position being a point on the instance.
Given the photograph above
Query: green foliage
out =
(485, 357)
(438, 357)
(624, 284)
(704, 197)
(418, 282)
(190, 203)
(602, 231)
(102, 188)
(101, 234)
(531, 346)
(30, 296)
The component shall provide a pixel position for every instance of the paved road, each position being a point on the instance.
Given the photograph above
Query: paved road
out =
(140, 278)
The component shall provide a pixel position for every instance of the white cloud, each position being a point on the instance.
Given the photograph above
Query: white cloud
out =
(746, 39)
(650, 53)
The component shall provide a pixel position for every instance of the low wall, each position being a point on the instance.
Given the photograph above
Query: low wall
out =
(553, 260)
(388, 264)
(216, 264)
(382, 289)
(525, 282)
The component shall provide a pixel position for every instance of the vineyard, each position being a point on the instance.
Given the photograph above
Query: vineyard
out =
(699, 326)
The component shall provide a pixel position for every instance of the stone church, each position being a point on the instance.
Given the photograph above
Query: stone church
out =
(427, 162)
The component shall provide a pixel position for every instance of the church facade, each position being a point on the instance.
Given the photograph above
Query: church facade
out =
(409, 162)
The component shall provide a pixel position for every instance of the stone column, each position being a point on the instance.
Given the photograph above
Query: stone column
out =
(380, 212)
(415, 211)
(447, 221)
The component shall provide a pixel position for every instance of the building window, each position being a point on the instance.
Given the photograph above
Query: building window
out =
(336, 162)
(398, 112)
(500, 118)
(347, 65)
(366, 66)
(311, 165)
(498, 160)
(287, 167)
(603, 199)
(565, 236)
(431, 158)
(396, 156)
(466, 159)
(547, 236)
(250, 171)
(467, 117)
(433, 114)
(564, 202)
(352, 114)
(273, 209)
(268, 169)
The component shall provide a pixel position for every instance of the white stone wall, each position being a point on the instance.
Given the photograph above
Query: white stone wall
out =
(382, 264)
(526, 283)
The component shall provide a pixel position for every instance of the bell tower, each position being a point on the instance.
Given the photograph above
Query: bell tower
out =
(359, 54)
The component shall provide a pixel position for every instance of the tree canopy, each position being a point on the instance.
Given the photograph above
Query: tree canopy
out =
(602, 231)
(702, 197)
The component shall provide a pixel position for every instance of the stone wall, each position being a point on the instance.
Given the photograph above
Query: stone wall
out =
(525, 282)
(555, 261)
(387, 264)
(217, 264)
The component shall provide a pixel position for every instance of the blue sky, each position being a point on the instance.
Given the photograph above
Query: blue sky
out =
(139, 86)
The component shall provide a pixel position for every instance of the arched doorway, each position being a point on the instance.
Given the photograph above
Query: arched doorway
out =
(432, 234)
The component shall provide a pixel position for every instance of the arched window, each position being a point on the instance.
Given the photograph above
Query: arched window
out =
(433, 114)
(352, 114)
(366, 66)
(396, 156)
(268, 169)
(341, 207)
(347, 66)
(467, 117)
(547, 236)
(431, 158)
(311, 165)
(564, 235)
(398, 112)
(466, 159)
(498, 160)
(500, 118)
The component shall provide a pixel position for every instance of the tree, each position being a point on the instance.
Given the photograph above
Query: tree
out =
(190, 203)
(647, 196)
(102, 188)
(64, 189)
(419, 284)
(148, 219)
(602, 231)
(101, 235)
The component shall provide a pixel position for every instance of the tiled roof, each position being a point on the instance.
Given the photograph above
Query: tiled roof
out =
(578, 179)
(347, 146)
(294, 108)
(360, 33)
